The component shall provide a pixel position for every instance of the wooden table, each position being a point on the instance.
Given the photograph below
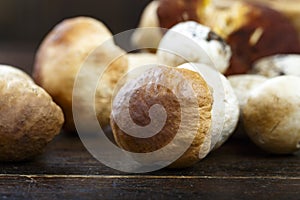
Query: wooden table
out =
(238, 170)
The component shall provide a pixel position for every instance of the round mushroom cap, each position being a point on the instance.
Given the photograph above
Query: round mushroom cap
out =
(193, 42)
(243, 84)
(188, 117)
(148, 33)
(277, 65)
(272, 113)
(61, 56)
(29, 119)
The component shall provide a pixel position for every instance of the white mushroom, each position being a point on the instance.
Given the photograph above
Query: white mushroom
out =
(271, 115)
(281, 64)
(193, 42)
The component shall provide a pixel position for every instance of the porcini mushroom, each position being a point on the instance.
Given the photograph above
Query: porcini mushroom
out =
(272, 113)
(62, 54)
(186, 116)
(29, 119)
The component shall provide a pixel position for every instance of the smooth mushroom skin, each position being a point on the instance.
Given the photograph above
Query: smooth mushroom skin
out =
(278, 65)
(271, 115)
(153, 93)
(243, 84)
(29, 119)
(148, 34)
(62, 54)
(193, 42)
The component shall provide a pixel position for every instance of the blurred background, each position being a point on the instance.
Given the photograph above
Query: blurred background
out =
(24, 23)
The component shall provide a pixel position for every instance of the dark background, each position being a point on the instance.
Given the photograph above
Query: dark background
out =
(24, 23)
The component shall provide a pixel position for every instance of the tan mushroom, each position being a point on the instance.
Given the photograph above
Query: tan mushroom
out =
(61, 56)
(189, 117)
(29, 119)
(271, 115)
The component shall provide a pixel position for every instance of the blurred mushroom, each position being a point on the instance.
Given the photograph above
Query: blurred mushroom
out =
(69, 46)
(278, 65)
(252, 30)
(148, 34)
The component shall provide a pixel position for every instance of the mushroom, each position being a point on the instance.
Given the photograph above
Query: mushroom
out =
(148, 34)
(252, 30)
(72, 44)
(272, 113)
(168, 113)
(29, 119)
(243, 84)
(193, 42)
(277, 65)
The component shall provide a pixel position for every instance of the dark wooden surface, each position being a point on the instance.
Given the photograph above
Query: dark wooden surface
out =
(238, 170)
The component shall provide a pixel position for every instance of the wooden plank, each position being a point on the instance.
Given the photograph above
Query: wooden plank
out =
(137, 187)
(238, 157)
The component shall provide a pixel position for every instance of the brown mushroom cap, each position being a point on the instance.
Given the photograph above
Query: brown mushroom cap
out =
(62, 54)
(266, 32)
(151, 93)
(29, 119)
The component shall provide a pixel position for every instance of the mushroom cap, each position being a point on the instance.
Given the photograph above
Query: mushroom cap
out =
(225, 109)
(62, 54)
(193, 42)
(255, 31)
(272, 113)
(243, 84)
(277, 65)
(148, 34)
(188, 118)
(29, 119)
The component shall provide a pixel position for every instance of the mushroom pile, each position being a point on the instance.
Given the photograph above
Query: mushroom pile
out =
(262, 42)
